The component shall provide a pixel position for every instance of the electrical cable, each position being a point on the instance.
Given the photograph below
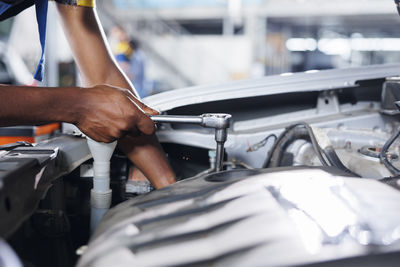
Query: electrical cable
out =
(383, 155)
(262, 143)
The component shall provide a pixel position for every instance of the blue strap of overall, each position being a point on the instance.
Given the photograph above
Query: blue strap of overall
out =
(4, 7)
(41, 17)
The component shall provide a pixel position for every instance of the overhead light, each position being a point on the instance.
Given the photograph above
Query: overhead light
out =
(343, 46)
(375, 44)
(334, 46)
(301, 44)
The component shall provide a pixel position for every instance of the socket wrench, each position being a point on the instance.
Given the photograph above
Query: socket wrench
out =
(219, 121)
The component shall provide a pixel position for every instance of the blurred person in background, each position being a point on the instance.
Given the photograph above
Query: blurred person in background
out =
(119, 41)
(107, 109)
(137, 68)
(130, 57)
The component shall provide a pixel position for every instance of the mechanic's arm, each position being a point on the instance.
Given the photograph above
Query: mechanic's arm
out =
(85, 108)
(97, 66)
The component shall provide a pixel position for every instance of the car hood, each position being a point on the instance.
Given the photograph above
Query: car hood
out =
(271, 85)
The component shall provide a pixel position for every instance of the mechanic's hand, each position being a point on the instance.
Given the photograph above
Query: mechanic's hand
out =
(107, 113)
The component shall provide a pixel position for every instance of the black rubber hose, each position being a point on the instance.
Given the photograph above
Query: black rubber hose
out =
(284, 142)
(315, 145)
(383, 156)
(289, 135)
(333, 159)
(293, 133)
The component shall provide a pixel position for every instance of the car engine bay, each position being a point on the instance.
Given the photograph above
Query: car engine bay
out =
(309, 176)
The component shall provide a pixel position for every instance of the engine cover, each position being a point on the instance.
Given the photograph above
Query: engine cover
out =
(289, 216)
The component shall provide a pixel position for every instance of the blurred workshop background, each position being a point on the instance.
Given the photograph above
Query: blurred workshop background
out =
(168, 44)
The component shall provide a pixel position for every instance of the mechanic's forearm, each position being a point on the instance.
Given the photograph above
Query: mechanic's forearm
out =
(37, 105)
(89, 45)
(97, 66)
(147, 154)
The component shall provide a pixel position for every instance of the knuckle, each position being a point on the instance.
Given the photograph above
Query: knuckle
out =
(115, 133)
(126, 125)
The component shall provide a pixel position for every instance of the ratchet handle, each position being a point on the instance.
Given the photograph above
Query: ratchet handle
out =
(176, 119)
(208, 120)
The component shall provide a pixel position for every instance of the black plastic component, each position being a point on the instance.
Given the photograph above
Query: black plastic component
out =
(390, 95)
(397, 2)
(392, 181)
(186, 161)
(17, 131)
(22, 185)
(9, 147)
(17, 181)
(119, 175)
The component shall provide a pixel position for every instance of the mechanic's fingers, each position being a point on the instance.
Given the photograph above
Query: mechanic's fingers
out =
(146, 109)
(150, 111)
(146, 125)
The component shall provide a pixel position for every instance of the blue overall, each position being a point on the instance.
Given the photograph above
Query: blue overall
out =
(41, 17)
